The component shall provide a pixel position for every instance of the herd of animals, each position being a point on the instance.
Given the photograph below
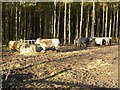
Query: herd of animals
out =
(43, 44)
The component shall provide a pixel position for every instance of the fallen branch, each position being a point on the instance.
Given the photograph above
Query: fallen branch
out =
(11, 67)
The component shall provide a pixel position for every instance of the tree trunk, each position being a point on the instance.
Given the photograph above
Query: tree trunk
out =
(87, 25)
(76, 26)
(10, 19)
(81, 19)
(40, 27)
(19, 13)
(110, 27)
(113, 31)
(16, 22)
(1, 34)
(69, 24)
(55, 19)
(98, 27)
(106, 21)
(24, 25)
(58, 24)
(3, 23)
(117, 27)
(65, 24)
(19, 21)
(103, 20)
(29, 21)
(6, 26)
(45, 27)
(93, 20)
(52, 32)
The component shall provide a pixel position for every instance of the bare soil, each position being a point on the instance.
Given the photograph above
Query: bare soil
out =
(92, 67)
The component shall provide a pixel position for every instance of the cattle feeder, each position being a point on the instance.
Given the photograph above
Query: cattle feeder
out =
(29, 41)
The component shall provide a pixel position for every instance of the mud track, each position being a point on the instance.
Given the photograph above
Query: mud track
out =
(92, 67)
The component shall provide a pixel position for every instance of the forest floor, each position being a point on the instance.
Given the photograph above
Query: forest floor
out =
(91, 67)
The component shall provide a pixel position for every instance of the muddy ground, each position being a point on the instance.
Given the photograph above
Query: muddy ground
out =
(92, 67)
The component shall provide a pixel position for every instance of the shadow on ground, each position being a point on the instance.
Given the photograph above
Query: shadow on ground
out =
(18, 81)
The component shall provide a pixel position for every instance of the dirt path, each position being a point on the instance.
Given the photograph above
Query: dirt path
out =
(93, 67)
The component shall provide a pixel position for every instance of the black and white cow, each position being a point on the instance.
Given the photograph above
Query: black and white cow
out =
(103, 41)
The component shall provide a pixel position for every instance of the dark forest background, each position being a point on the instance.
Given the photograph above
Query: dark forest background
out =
(63, 20)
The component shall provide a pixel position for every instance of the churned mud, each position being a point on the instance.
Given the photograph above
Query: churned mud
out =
(92, 67)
